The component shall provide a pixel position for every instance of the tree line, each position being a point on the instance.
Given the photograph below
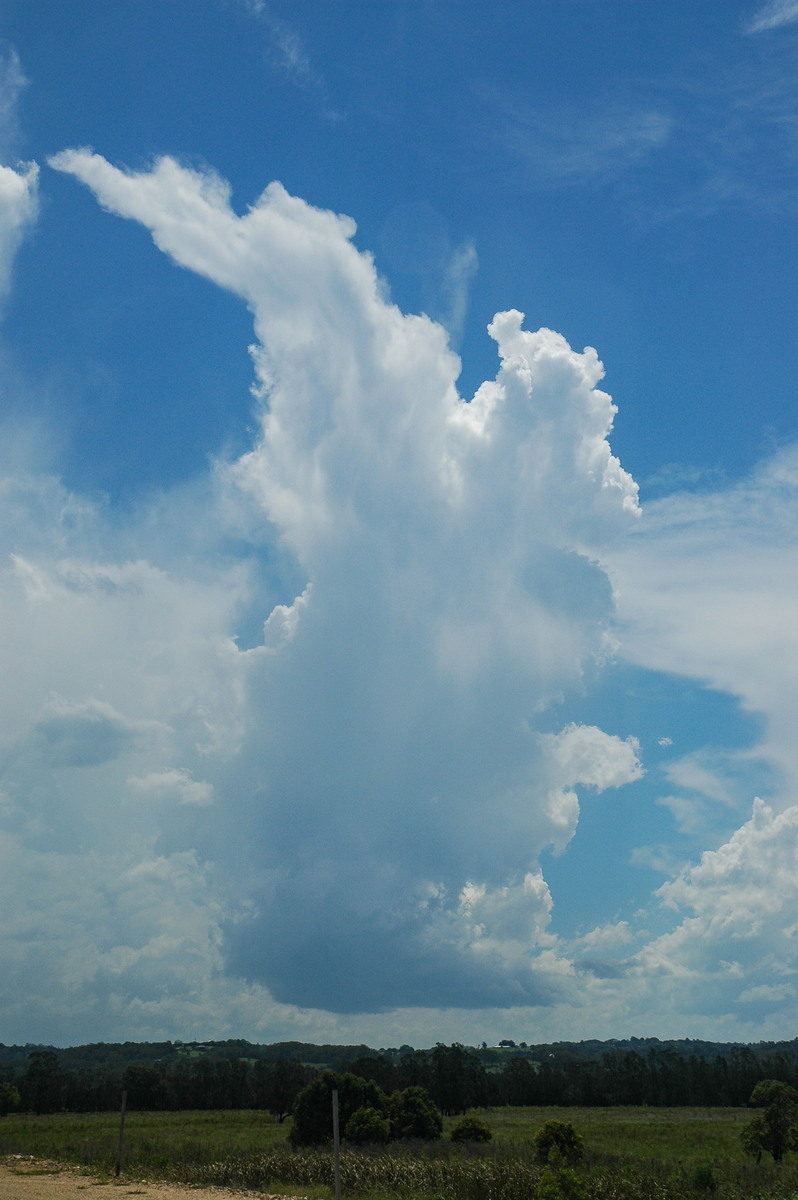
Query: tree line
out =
(455, 1077)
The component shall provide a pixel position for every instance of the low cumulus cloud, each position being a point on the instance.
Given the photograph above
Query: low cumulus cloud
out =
(735, 949)
(82, 735)
(176, 783)
(727, 966)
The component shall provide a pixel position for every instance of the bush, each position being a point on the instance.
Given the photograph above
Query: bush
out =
(471, 1129)
(559, 1182)
(560, 1136)
(367, 1127)
(704, 1179)
(413, 1115)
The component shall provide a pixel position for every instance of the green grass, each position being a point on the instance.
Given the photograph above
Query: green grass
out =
(686, 1135)
(631, 1154)
(88, 1137)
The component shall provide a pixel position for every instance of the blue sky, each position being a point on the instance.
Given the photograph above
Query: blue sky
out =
(398, 495)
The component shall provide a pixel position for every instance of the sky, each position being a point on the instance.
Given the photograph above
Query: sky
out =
(398, 520)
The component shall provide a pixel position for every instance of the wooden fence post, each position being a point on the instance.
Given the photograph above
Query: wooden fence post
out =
(336, 1145)
(121, 1133)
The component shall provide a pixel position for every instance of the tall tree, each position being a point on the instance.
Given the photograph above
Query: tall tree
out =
(776, 1130)
(42, 1082)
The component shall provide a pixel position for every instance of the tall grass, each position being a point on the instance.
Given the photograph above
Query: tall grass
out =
(633, 1154)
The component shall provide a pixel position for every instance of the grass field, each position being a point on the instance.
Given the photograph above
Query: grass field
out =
(631, 1154)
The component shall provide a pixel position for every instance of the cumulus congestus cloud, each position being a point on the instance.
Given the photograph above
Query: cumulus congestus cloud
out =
(380, 822)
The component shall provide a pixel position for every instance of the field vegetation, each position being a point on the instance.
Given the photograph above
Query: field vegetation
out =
(633, 1153)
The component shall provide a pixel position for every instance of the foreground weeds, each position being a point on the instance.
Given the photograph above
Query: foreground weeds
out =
(488, 1176)
(632, 1155)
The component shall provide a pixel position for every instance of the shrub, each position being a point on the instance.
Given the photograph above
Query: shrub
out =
(704, 1179)
(559, 1182)
(560, 1136)
(367, 1127)
(413, 1115)
(471, 1129)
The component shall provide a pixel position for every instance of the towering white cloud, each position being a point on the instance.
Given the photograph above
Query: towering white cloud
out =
(378, 821)
(347, 814)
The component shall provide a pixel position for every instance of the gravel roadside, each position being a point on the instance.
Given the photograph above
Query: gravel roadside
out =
(23, 1178)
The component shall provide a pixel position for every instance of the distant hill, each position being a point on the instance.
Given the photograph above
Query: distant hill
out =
(113, 1057)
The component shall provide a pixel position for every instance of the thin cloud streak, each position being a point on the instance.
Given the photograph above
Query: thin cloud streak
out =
(773, 15)
(573, 147)
(288, 55)
(12, 82)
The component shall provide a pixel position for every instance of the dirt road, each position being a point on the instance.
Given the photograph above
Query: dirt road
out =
(28, 1179)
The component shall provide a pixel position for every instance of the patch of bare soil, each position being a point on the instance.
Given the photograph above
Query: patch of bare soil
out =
(23, 1178)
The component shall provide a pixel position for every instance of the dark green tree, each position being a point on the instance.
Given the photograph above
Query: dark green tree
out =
(276, 1085)
(376, 1067)
(775, 1131)
(414, 1116)
(313, 1107)
(519, 1079)
(42, 1083)
(457, 1078)
(10, 1099)
(147, 1090)
(559, 1136)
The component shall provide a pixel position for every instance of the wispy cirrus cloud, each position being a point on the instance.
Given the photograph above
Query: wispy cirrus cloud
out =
(688, 142)
(12, 81)
(288, 55)
(415, 240)
(573, 146)
(773, 15)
